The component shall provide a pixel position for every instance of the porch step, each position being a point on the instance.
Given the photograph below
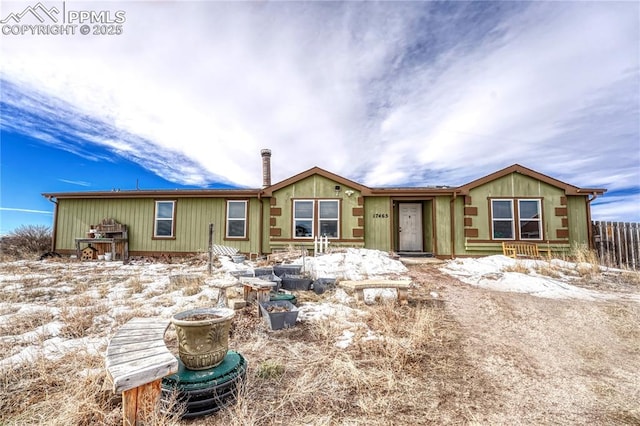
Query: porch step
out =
(414, 254)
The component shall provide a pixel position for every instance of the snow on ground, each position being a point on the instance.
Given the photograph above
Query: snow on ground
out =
(353, 264)
(499, 273)
(50, 287)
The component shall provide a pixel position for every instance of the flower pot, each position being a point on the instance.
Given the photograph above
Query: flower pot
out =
(323, 284)
(280, 270)
(272, 278)
(263, 271)
(295, 282)
(279, 314)
(203, 336)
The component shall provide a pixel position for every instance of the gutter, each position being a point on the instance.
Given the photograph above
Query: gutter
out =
(261, 226)
(55, 222)
(453, 224)
(589, 227)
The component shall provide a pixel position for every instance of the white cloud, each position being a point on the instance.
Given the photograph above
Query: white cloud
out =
(381, 93)
(25, 210)
(75, 182)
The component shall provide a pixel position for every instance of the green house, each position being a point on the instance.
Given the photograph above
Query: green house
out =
(512, 204)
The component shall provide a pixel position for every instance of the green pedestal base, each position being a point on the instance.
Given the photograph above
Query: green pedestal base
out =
(203, 392)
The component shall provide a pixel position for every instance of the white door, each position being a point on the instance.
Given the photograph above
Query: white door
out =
(410, 220)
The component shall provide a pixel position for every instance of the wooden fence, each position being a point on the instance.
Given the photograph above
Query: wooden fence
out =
(617, 243)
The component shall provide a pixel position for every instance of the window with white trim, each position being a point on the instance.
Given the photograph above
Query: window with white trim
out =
(328, 218)
(530, 219)
(502, 219)
(164, 225)
(236, 219)
(303, 218)
(526, 213)
(312, 218)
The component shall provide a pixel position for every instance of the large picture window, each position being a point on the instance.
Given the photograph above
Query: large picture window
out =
(236, 219)
(526, 213)
(164, 219)
(313, 218)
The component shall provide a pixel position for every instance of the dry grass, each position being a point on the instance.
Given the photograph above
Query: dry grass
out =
(189, 284)
(80, 321)
(394, 374)
(70, 390)
(406, 364)
(518, 267)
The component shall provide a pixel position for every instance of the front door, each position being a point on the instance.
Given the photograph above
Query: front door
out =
(410, 231)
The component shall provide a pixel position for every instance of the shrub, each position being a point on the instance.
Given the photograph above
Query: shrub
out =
(27, 241)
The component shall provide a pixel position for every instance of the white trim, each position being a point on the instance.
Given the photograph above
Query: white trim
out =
(171, 219)
(243, 219)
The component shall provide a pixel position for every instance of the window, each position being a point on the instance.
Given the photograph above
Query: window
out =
(328, 218)
(303, 218)
(530, 219)
(164, 219)
(316, 218)
(503, 219)
(236, 219)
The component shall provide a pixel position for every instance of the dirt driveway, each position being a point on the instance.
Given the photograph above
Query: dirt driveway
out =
(542, 361)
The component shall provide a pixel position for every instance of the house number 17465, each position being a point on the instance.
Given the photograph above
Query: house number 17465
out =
(381, 215)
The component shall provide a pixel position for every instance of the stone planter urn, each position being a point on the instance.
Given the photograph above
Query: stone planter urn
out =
(203, 336)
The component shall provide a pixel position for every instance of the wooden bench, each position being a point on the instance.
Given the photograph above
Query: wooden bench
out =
(358, 287)
(137, 359)
(520, 249)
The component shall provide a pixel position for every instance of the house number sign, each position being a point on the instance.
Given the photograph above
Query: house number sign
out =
(381, 215)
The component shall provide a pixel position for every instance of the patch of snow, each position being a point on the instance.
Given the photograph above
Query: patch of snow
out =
(493, 272)
(345, 340)
(372, 294)
(55, 348)
(353, 264)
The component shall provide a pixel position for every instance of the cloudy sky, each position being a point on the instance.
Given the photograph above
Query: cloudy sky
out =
(390, 93)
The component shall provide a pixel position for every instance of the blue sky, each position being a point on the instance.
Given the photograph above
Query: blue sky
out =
(392, 93)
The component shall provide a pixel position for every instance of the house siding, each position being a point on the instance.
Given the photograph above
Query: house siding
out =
(315, 188)
(456, 221)
(378, 220)
(443, 225)
(516, 186)
(192, 219)
(577, 220)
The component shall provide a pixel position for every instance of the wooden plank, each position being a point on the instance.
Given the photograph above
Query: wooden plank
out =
(355, 285)
(127, 357)
(137, 354)
(139, 372)
(146, 363)
(147, 401)
(136, 334)
(117, 349)
(146, 325)
(129, 406)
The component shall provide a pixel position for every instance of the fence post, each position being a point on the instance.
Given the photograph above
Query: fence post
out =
(210, 248)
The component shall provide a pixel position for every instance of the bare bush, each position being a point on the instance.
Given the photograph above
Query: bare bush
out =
(27, 242)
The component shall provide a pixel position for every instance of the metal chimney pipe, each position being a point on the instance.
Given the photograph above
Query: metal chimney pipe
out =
(266, 167)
